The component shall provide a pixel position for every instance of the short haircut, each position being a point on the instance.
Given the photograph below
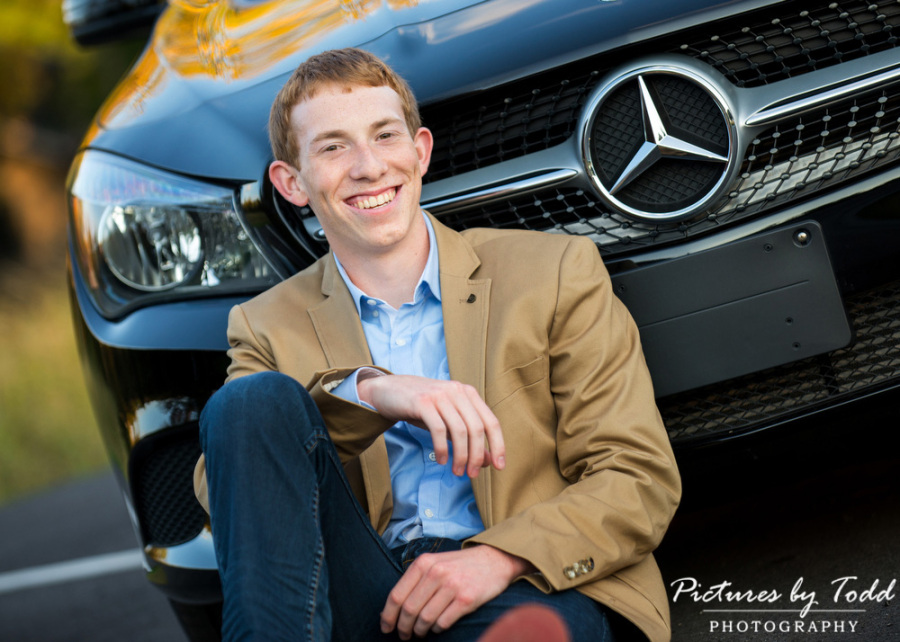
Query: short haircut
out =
(349, 67)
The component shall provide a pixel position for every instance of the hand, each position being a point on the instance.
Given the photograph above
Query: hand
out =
(439, 588)
(445, 409)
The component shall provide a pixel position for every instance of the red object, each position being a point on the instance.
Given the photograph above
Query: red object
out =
(528, 623)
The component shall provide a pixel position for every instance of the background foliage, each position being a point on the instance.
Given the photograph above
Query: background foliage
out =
(49, 90)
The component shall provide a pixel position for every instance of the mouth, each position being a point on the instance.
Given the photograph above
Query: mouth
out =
(372, 201)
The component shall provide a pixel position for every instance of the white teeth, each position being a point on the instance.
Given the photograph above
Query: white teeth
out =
(375, 201)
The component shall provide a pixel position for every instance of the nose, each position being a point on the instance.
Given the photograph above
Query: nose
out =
(368, 164)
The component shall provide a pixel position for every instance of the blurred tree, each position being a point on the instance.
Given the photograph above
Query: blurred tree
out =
(50, 88)
(48, 80)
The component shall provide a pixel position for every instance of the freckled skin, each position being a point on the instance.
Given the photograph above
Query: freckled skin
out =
(354, 145)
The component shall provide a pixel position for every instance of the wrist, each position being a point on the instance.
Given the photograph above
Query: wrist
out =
(516, 566)
(364, 379)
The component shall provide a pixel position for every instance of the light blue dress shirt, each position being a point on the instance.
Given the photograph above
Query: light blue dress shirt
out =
(429, 500)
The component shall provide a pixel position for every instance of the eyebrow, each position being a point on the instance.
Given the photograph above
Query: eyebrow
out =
(337, 133)
(340, 133)
(387, 121)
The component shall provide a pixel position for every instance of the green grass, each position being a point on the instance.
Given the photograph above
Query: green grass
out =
(47, 430)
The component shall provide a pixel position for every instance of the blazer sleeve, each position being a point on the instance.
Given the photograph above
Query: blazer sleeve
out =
(611, 445)
(248, 354)
(352, 427)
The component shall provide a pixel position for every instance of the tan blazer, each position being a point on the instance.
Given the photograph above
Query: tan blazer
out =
(530, 320)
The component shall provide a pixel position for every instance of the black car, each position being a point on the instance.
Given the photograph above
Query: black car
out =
(735, 161)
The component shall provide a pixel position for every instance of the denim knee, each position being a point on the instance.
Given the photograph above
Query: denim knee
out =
(257, 405)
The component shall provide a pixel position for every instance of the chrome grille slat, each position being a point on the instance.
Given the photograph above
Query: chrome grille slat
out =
(866, 132)
(506, 123)
(798, 38)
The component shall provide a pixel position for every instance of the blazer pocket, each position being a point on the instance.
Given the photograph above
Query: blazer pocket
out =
(514, 380)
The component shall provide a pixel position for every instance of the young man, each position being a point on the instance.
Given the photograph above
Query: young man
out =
(425, 429)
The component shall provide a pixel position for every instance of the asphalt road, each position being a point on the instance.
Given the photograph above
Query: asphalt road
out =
(84, 520)
(760, 527)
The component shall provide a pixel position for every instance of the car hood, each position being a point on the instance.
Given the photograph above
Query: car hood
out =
(197, 100)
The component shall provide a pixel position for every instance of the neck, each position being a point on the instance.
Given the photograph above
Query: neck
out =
(391, 275)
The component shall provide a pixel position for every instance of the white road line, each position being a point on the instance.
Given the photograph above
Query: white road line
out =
(70, 571)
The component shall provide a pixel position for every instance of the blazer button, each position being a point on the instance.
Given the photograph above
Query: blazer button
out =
(581, 567)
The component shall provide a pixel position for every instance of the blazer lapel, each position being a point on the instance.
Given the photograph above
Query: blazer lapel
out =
(337, 325)
(465, 304)
(343, 341)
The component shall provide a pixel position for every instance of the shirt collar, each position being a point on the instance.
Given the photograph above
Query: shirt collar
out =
(429, 281)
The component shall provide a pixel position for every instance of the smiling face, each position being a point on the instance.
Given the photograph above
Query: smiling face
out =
(360, 170)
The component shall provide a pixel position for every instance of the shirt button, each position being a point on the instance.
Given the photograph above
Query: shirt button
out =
(432, 456)
(372, 302)
(400, 342)
(429, 513)
(375, 313)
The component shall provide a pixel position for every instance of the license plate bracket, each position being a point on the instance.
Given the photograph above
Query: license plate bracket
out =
(740, 308)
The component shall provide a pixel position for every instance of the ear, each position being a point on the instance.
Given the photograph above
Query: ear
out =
(424, 143)
(286, 180)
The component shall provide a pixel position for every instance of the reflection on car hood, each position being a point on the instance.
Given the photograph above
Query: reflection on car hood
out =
(197, 101)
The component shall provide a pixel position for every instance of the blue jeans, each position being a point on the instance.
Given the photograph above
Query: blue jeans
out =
(297, 555)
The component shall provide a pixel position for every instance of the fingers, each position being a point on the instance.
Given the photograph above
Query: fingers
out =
(469, 420)
(439, 588)
(415, 602)
(465, 430)
(422, 601)
(451, 411)
(435, 425)
(429, 615)
(390, 615)
(496, 452)
(479, 423)
(474, 415)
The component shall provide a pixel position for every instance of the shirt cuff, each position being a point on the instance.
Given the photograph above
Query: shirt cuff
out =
(347, 389)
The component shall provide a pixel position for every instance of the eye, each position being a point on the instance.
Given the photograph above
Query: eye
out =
(330, 148)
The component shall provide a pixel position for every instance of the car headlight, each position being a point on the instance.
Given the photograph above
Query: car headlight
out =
(142, 235)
